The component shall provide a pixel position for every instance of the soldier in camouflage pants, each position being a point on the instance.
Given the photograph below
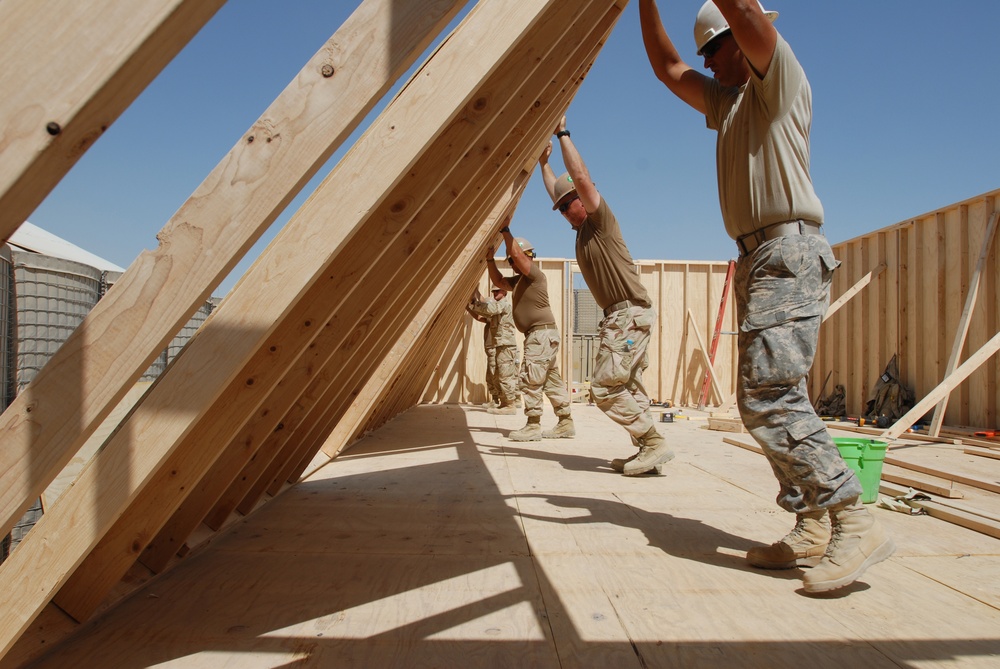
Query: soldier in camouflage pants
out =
(782, 291)
(617, 384)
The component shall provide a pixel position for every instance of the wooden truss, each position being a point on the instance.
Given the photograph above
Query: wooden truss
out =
(335, 328)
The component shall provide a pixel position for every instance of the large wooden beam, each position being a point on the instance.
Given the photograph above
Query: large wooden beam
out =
(203, 241)
(70, 70)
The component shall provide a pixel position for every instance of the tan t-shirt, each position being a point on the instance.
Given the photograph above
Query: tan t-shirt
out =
(501, 323)
(762, 152)
(531, 299)
(605, 262)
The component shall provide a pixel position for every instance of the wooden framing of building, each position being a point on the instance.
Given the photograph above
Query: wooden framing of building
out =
(349, 316)
(939, 295)
(277, 368)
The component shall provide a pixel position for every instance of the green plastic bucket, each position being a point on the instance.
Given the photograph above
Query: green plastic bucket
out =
(865, 457)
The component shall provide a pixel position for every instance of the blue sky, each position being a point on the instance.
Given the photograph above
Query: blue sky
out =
(905, 98)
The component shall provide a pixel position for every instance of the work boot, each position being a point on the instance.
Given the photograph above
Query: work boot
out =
(858, 542)
(804, 546)
(653, 450)
(530, 432)
(503, 410)
(618, 464)
(563, 430)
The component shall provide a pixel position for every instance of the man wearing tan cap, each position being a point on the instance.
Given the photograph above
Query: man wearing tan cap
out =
(610, 274)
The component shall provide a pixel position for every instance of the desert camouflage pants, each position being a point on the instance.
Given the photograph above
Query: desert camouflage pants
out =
(540, 374)
(492, 385)
(505, 377)
(782, 291)
(617, 384)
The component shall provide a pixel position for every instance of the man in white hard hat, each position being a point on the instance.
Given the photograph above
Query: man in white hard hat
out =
(610, 273)
(760, 103)
(501, 373)
(533, 316)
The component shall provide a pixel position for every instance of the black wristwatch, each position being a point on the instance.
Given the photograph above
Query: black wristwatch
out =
(562, 133)
(504, 229)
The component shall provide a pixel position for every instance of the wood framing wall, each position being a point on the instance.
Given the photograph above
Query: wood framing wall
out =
(338, 326)
(677, 366)
(914, 309)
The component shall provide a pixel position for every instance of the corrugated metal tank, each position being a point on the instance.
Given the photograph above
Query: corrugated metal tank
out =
(45, 299)
(8, 374)
(8, 324)
(53, 297)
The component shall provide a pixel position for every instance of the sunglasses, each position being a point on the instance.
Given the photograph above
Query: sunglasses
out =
(713, 47)
(565, 205)
(530, 254)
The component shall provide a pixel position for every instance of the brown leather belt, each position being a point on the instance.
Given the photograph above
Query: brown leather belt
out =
(540, 326)
(748, 243)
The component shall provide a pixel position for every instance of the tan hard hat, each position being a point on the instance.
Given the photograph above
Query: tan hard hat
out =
(563, 187)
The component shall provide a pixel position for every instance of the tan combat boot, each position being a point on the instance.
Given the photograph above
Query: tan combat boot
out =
(804, 546)
(618, 464)
(503, 410)
(530, 432)
(653, 450)
(563, 430)
(858, 542)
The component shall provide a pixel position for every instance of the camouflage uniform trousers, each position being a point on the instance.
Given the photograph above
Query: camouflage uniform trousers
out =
(506, 374)
(782, 291)
(492, 382)
(617, 384)
(540, 374)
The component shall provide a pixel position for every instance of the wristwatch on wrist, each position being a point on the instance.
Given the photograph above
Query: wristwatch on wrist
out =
(504, 229)
(562, 133)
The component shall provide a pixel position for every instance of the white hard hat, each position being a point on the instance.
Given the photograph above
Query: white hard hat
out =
(710, 23)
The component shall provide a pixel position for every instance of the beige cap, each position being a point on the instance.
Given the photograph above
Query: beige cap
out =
(563, 187)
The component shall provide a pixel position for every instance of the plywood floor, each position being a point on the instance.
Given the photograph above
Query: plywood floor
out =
(436, 542)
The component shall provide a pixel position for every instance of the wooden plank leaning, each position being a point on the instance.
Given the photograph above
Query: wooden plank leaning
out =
(46, 425)
(705, 356)
(963, 324)
(70, 70)
(942, 389)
